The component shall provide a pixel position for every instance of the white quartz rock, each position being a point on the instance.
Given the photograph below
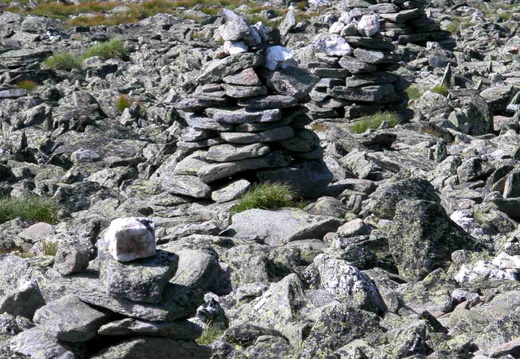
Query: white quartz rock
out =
(235, 48)
(368, 25)
(334, 45)
(131, 238)
(276, 56)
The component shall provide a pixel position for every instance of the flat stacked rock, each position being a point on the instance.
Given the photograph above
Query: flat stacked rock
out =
(246, 120)
(355, 65)
(403, 21)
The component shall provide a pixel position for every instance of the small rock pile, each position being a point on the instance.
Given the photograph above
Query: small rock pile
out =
(131, 296)
(246, 120)
(404, 21)
(355, 64)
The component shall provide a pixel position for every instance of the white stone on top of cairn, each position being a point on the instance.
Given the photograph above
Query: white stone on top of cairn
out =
(368, 25)
(131, 238)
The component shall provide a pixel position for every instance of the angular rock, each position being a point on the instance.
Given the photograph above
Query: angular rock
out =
(24, 301)
(243, 115)
(38, 344)
(217, 171)
(231, 192)
(180, 330)
(70, 320)
(141, 280)
(268, 102)
(349, 285)
(190, 186)
(272, 135)
(291, 81)
(229, 152)
(422, 238)
(280, 227)
(160, 348)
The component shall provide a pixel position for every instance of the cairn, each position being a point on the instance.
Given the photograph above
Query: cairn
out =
(404, 21)
(246, 122)
(355, 65)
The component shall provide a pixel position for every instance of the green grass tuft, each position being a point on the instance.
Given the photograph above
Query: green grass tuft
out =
(27, 85)
(62, 61)
(414, 92)
(114, 48)
(29, 208)
(122, 102)
(210, 334)
(453, 26)
(49, 248)
(267, 196)
(441, 89)
(374, 121)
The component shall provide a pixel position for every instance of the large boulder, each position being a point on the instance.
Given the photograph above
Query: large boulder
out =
(384, 201)
(422, 237)
(348, 284)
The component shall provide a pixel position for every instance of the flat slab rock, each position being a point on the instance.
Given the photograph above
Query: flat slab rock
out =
(69, 319)
(282, 226)
(157, 348)
(39, 344)
(177, 302)
(181, 330)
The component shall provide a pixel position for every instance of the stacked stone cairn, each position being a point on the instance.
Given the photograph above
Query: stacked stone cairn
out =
(127, 299)
(355, 63)
(403, 21)
(246, 122)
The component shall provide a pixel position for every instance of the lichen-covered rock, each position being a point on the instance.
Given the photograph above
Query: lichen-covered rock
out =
(180, 330)
(70, 320)
(337, 325)
(23, 301)
(384, 201)
(154, 348)
(348, 284)
(142, 280)
(422, 238)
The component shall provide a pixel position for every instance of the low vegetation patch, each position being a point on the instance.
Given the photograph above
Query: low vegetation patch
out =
(414, 92)
(62, 61)
(122, 102)
(267, 195)
(29, 208)
(210, 334)
(114, 48)
(453, 26)
(27, 85)
(441, 89)
(94, 13)
(374, 121)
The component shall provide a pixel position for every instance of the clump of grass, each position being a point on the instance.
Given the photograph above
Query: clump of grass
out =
(210, 334)
(505, 16)
(29, 208)
(267, 195)
(27, 85)
(453, 26)
(49, 248)
(374, 121)
(62, 61)
(414, 92)
(122, 102)
(114, 48)
(441, 89)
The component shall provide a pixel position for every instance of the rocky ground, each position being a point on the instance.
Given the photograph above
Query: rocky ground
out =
(411, 251)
